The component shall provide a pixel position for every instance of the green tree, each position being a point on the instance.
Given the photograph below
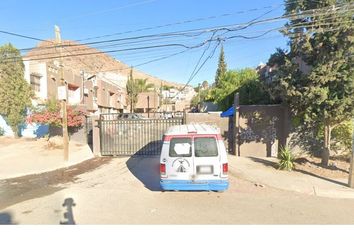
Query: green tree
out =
(230, 83)
(143, 86)
(205, 84)
(15, 92)
(132, 91)
(222, 67)
(203, 95)
(317, 76)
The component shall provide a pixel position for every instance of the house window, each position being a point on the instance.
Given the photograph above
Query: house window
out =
(35, 81)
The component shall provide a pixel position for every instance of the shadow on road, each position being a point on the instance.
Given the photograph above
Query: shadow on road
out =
(19, 189)
(5, 218)
(68, 215)
(275, 166)
(146, 170)
(323, 178)
(266, 163)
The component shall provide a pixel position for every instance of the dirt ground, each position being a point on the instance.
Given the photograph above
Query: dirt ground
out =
(23, 156)
(338, 168)
(127, 191)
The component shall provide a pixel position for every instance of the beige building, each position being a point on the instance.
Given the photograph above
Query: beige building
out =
(95, 93)
(147, 102)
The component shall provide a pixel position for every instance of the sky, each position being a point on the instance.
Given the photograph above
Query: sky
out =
(83, 19)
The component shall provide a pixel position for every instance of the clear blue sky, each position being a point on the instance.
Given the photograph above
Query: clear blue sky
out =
(80, 19)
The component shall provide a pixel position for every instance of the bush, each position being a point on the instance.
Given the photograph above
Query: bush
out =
(2, 131)
(342, 137)
(286, 159)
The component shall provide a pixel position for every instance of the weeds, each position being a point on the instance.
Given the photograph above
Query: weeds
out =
(286, 159)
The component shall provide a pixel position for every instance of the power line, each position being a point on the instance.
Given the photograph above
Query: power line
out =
(199, 31)
(302, 25)
(197, 69)
(192, 20)
(171, 45)
(179, 23)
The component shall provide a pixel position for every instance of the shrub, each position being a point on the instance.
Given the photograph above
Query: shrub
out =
(286, 159)
(2, 131)
(342, 137)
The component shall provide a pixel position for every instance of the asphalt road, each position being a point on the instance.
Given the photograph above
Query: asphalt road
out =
(126, 191)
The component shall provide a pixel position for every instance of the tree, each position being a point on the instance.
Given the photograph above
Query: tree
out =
(230, 83)
(50, 115)
(132, 91)
(222, 67)
(143, 86)
(205, 84)
(203, 95)
(317, 77)
(15, 92)
(134, 88)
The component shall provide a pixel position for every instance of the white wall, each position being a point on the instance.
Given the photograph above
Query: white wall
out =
(41, 69)
(6, 127)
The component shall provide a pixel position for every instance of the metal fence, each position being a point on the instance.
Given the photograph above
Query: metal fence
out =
(132, 136)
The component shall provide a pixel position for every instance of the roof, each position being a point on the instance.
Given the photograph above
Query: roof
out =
(192, 128)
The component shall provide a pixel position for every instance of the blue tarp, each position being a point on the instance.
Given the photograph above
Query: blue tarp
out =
(228, 113)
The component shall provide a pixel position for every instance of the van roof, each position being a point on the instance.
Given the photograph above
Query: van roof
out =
(192, 129)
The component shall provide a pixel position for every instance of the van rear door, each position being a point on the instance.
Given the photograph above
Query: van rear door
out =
(180, 160)
(206, 158)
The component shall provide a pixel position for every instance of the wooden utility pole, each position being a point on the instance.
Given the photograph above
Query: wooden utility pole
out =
(63, 102)
(236, 124)
(351, 170)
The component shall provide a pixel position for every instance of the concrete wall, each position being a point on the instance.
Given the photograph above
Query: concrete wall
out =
(26, 130)
(212, 118)
(262, 129)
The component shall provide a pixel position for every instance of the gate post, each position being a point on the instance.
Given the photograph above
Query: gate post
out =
(96, 141)
(184, 116)
(236, 124)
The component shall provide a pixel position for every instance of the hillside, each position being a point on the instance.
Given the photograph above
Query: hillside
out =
(93, 63)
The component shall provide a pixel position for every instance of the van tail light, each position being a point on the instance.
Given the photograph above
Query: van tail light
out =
(162, 169)
(225, 168)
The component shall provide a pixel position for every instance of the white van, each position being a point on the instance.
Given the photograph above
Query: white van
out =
(193, 157)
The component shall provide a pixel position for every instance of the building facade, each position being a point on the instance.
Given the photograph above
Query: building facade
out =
(97, 94)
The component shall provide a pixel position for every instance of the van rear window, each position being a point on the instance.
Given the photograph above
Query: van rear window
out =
(205, 147)
(180, 147)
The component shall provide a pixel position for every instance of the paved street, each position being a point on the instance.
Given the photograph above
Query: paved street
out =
(126, 191)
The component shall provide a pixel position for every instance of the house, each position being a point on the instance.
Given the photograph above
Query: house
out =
(96, 94)
(175, 100)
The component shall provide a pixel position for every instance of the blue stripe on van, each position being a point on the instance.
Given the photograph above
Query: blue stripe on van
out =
(200, 185)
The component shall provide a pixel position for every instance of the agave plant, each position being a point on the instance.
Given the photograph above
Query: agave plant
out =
(286, 159)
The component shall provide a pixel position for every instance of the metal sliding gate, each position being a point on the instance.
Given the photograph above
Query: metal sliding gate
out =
(132, 136)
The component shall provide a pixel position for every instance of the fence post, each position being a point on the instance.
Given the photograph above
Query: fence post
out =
(96, 143)
(282, 141)
(184, 116)
(351, 170)
(236, 124)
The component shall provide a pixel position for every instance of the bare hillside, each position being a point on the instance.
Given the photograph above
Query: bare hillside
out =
(94, 61)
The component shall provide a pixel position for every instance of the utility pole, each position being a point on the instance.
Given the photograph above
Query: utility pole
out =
(63, 101)
(351, 170)
(148, 98)
(82, 100)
